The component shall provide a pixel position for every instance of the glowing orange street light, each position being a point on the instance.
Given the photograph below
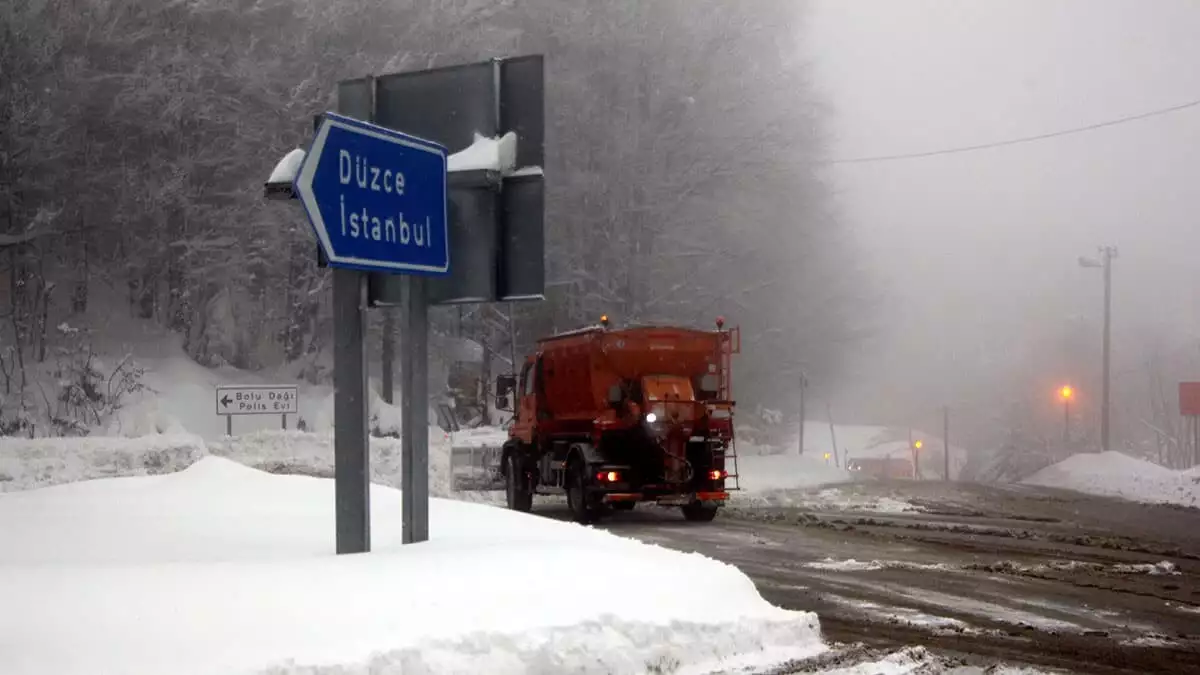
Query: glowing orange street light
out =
(1065, 394)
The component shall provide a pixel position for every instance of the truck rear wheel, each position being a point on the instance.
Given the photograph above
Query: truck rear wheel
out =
(697, 512)
(516, 488)
(583, 512)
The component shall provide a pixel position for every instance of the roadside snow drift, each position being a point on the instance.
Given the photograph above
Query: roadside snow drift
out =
(27, 463)
(1113, 474)
(223, 569)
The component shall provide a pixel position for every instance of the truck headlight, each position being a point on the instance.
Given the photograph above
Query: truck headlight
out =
(651, 418)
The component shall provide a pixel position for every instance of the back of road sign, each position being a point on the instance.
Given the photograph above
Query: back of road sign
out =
(376, 198)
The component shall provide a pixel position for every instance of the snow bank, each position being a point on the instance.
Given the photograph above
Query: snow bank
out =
(27, 463)
(1113, 474)
(222, 569)
(479, 437)
(312, 454)
(785, 472)
(31, 463)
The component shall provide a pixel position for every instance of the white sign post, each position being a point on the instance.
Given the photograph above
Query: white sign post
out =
(257, 399)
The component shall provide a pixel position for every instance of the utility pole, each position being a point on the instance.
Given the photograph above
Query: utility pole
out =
(912, 449)
(946, 442)
(832, 435)
(1107, 253)
(915, 448)
(803, 386)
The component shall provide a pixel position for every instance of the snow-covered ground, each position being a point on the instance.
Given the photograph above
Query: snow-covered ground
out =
(777, 479)
(223, 568)
(1162, 568)
(1114, 474)
(169, 569)
(39, 462)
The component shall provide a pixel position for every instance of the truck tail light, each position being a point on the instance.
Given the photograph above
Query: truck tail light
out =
(608, 476)
(717, 474)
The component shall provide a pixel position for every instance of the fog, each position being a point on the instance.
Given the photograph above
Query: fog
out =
(976, 253)
(696, 167)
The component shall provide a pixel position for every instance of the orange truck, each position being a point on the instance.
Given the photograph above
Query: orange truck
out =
(614, 418)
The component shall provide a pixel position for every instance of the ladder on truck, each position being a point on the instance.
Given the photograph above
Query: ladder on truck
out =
(729, 343)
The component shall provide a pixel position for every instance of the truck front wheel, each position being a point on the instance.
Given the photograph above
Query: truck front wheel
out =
(697, 512)
(516, 487)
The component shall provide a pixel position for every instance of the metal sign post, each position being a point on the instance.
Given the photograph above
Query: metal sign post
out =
(414, 415)
(376, 199)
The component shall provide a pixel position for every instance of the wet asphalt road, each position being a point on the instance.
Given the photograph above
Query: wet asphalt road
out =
(982, 575)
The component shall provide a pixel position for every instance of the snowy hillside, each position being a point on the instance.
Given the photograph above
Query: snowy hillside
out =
(1115, 474)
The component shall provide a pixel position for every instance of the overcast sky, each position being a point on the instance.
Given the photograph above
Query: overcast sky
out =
(981, 248)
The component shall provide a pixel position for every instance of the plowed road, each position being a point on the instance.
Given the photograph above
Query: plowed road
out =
(980, 575)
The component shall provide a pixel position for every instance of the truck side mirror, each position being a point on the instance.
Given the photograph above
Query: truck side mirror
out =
(614, 394)
(505, 385)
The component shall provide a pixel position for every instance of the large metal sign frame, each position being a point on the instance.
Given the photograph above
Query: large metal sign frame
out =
(496, 253)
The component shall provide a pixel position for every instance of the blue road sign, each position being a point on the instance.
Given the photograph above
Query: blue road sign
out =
(376, 198)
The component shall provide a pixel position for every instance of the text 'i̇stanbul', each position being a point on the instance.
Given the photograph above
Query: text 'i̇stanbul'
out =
(357, 171)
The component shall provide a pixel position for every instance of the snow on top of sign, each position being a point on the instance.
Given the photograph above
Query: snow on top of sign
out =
(287, 168)
(528, 171)
(486, 154)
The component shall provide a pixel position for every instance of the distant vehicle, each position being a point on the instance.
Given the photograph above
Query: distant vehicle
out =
(613, 418)
(881, 467)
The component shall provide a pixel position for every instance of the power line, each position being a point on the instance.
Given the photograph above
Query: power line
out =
(1022, 139)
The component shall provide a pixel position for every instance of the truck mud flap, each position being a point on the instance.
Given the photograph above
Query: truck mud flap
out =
(716, 498)
(476, 469)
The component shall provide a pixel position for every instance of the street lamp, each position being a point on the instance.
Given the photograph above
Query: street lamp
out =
(1065, 394)
(1107, 253)
(916, 455)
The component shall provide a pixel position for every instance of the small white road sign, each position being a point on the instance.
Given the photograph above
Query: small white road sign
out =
(254, 399)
